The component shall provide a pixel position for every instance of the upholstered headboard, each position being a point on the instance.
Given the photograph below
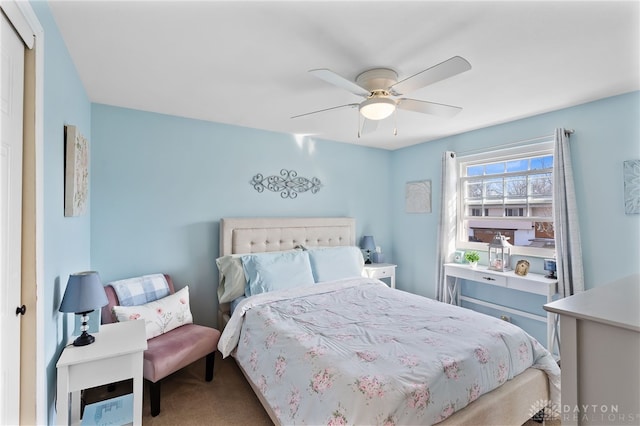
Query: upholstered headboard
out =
(259, 235)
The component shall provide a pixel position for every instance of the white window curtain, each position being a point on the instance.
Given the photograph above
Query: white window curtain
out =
(565, 212)
(448, 222)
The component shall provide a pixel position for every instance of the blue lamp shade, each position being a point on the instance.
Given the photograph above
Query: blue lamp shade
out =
(368, 245)
(84, 293)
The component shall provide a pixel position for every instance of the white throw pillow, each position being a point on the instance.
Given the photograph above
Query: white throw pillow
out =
(161, 315)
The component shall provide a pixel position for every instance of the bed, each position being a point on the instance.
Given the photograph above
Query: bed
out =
(352, 350)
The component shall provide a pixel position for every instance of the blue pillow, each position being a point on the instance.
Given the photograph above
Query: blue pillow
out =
(235, 302)
(276, 271)
(335, 263)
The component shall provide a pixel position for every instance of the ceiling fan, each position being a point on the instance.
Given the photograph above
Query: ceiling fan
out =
(382, 90)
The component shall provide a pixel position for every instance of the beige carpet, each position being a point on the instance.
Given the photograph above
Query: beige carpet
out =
(188, 400)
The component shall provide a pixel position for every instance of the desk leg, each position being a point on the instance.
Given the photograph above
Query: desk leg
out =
(553, 334)
(554, 340)
(453, 291)
(556, 331)
(550, 327)
(137, 389)
(62, 397)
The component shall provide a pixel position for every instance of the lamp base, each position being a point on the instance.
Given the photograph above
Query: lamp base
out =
(84, 339)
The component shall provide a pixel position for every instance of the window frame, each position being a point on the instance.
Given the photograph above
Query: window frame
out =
(498, 155)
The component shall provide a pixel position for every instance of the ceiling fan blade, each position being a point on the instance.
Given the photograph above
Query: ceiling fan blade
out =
(443, 70)
(425, 107)
(369, 126)
(337, 80)
(326, 109)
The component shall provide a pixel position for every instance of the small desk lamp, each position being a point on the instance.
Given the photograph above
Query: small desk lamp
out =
(368, 245)
(84, 294)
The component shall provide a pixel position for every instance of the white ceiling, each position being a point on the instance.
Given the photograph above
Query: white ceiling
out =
(245, 63)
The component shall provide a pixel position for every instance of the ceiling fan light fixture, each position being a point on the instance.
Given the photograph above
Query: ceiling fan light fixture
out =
(377, 108)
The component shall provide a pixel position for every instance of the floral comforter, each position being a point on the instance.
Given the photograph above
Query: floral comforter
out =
(357, 352)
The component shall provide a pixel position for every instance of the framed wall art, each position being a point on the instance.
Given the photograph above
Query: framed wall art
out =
(76, 172)
(418, 197)
(631, 173)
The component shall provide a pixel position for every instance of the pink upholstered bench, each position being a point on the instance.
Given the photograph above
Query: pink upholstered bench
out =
(170, 351)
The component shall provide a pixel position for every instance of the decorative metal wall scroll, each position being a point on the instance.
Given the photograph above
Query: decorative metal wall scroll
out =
(288, 183)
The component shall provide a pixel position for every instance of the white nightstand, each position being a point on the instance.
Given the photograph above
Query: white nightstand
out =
(116, 354)
(381, 270)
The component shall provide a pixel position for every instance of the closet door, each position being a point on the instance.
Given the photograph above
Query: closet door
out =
(11, 129)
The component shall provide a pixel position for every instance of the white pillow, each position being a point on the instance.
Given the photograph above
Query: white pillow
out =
(335, 263)
(232, 280)
(276, 271)
(161, 315)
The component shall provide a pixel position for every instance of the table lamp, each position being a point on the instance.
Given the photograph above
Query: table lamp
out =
(84, 294)
(368, 245)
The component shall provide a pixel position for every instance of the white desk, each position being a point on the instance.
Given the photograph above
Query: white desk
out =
(116, 354)
(381, 270)
(530, 283)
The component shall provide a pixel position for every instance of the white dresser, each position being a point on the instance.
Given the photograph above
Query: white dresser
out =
(600, 354)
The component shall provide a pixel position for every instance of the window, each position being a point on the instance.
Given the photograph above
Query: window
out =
(510, 211)
(511, 192)
(478, 212)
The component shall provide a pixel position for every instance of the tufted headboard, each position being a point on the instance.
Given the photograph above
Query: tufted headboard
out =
(259, 235)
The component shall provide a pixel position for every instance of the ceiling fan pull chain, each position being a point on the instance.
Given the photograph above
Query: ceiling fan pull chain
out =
(358, 124)
(395, 122)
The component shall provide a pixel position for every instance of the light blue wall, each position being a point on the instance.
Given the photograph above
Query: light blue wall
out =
(160, 185)
(66, 239)
(607, 132)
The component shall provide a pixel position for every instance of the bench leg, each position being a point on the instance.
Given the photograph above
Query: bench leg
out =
(209, 369)
(154, 397)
